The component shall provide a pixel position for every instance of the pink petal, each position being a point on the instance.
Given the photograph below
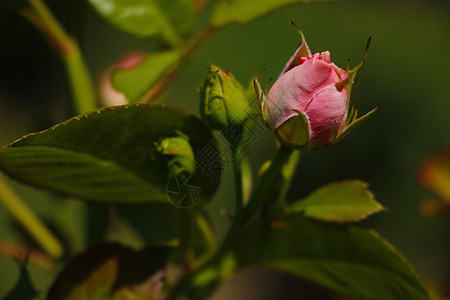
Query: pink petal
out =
(327, 109)
(292, 91)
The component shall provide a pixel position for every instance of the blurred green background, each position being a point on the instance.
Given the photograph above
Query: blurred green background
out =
(406, 75)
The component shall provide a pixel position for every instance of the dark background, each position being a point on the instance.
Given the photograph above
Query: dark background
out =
(407, 75)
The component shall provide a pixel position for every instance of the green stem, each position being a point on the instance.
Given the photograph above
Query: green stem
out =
(29, 220)
(185, 241)
(266, 181)
(208, 235)
(50, 21)
(284, 155)
(160, 87)
(246, 179)
(82, 89)
(237, 166)
(206, 230)
(184, 282)
(79, 77)
(287, 174)
(212, 259)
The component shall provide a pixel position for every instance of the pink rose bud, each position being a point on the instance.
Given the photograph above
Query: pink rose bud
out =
(308, 106)
(109, 96)
(308, 102)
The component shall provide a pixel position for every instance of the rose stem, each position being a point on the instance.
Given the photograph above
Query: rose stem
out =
(29, 220)
(77, 71)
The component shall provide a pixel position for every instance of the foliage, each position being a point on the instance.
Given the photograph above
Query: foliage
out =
(338, 202)
(138, 157)
(118, 161)
(24, 289)
(346, 259)
(112, 271)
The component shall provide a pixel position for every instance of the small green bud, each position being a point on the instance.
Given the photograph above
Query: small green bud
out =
(179, 151)
(223, 99)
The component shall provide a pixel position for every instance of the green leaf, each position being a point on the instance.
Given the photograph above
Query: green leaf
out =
(345, 201)
(243, 11)
(111, 271)
(109, 155)
(345, 259)
(24, 289)
(181, 13)
(148, 18)
(133, 83)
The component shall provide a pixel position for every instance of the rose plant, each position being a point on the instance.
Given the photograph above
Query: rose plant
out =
(152, 171)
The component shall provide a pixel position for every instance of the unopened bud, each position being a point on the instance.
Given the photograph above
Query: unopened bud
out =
(223, 99)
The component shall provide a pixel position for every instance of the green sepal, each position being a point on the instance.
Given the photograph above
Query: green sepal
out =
(353, 73)
(352, 121)
(353, 125)
(294, 132)
(260, 96)
(302, 50)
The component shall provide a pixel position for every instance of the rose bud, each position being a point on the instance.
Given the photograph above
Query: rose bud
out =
(109, 96)
(308, 105)
(223, 99)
